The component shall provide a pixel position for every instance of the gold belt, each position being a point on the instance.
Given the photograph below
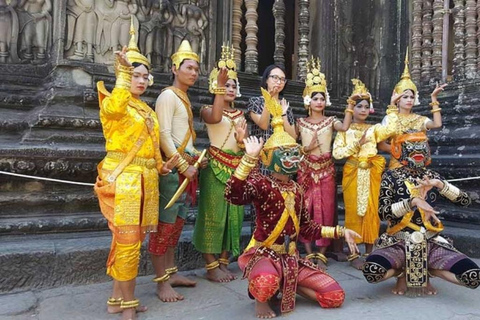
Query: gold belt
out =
(148, 163)
(415, 236)
(360, 164)
(278, 248)
(318, 166)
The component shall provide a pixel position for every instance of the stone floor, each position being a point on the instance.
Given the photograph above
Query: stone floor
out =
(230, 301)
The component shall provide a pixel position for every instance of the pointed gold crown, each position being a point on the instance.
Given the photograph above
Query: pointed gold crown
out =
(361, 90)
(226, 61)
(406, 82)
(184, 52)
(315, 80)
(279, 137)
(133, 53)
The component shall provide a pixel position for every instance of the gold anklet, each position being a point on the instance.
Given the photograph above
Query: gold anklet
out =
(114, 302)
(130, 304)
(171, 270)
(311, 256)
(352, 257)
(224, 261)
(321, 257)
(213, 265)
(163, 278)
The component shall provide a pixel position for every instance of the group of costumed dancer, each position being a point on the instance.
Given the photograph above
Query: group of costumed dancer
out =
(149, 153)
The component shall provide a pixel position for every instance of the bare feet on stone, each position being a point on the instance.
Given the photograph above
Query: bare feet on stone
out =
(358, 263)
(230, 274)
(400, 286)
(129, 314)
(117, 309)
(263, 310)
(217, 275)
(177, 280)
(166, 293)
(431, 290)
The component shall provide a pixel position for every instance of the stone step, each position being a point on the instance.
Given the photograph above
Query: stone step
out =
(40, 261)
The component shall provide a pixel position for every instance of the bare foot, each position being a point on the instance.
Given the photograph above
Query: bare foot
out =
(321, 265)
(358, 263)
(431, 290)
(117, 309)
(217, 275)
(263, 310)
(225, 269)
(166, 293)
(129, 314)
(177, 280)
(400, 286)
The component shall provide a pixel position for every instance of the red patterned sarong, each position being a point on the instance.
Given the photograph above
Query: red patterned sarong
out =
(166, 237)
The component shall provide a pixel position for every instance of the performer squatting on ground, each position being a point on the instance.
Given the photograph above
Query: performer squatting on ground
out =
(218, 224)
(127, 182)
(271, 261)
(316, 173)
(412, 249)
(404, 97)
(175, 118)
(363, 170)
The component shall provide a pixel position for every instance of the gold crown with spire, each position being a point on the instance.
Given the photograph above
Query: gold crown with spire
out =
(279, 137)
(406, 82)
(359, 89)
(184, 52)
(315, 81)
(133, 53)
(227, 60)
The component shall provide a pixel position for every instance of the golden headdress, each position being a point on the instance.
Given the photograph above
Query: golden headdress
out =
(406, 82)
(184, 52)
(133, 53)
(361, 90)
(279, 137)
(315, 82)
(227, 60)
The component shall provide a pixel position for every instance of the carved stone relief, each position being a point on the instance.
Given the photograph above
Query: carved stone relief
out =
(25, 30)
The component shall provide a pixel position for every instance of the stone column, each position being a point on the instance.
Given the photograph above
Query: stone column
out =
(416, 40)
(437, 39)
(427, 40)
(251, 54)
(478, 36)
(303, 38)
(279, 14)
(459, 47)
(236, 30)
(470, 39)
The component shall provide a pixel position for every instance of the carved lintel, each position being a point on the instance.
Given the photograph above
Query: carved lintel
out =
(279, 14)
(303, 38)
(251, 53)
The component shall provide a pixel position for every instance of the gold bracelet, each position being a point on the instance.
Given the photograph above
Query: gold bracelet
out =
(327, 232)
(124, 80)
(241, 145)
(220, 91)
(340, 231)
(303, 150)
(350, 101)
(392, 108)
(349, 110)
(182, 165)
(436, 110)
(250, 159)
(434, 103)
(243, 170)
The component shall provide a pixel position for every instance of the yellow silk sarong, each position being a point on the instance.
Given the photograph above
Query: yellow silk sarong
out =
(361, 196)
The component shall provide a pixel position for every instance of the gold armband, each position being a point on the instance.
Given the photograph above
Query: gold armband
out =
(182, 165)
(435, 110)
(328, 232)
(434, 103)
(241, 145)
(392, 108)
(449, 191)
(350, 101)
(220, 91)
(348, 111)
(246, 165)
(124, 77)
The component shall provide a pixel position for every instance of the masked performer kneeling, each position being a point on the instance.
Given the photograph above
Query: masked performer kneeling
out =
(412, 249)
(271, 261)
